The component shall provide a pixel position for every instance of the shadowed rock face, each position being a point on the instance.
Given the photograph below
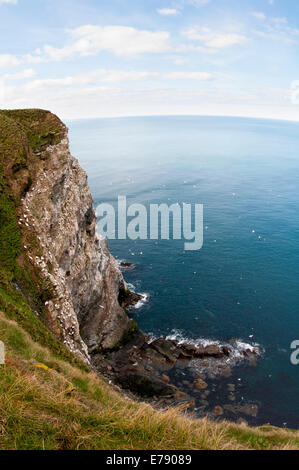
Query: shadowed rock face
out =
(84, 308)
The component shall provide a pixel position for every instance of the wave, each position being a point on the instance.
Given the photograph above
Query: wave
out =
(124, 264)
(238, 348)
(142, 301)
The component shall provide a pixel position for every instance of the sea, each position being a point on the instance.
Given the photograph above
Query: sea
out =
(244, 281)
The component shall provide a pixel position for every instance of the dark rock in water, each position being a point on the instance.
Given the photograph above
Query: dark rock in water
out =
(126, 265)
(189, 405)
(242, 422)
(180, 394)
(253, 361)
(155, 358)
(204, 403)
(249, 353)
(226, 350)
(213, 350)
(146, 385)
(174, 352)
(188, 350)
(218, 411)
(165, 378)
(202, 410)
(231, 409)
(200, 384)
(160, 370)
(233, 340)
(167, 349)
(182, 403)
(200, 375)
(185, 382)
(128, 298)
(248, 409)
(224, 370)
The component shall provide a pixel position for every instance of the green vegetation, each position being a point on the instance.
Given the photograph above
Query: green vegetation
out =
(127, 337)
(22, 290)
(42, 128)
(38, 410)
(124, 295)
(131, 332)
(49, 399)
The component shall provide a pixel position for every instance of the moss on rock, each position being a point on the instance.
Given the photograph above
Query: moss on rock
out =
(23, 291)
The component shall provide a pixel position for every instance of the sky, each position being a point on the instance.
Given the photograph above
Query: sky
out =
(110, 58)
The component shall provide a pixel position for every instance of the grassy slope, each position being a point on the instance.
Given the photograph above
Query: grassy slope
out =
(38, 410)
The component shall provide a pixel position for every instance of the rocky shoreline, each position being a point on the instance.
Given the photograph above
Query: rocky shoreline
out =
(149, 369)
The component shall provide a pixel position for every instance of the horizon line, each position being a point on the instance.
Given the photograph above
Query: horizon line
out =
(127, 116)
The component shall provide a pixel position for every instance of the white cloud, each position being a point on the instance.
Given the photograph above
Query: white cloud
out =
(179, 60)
(279, 22)
(13, 2)
(198, 3)
(202, 76)
(278, 29)
(120, 40)
(259, 15)
(24, 74)
(34, 59)
(104, 76)
(168, 11)
(100, 101)
(213, 39)
(110, 76)
(8, 60)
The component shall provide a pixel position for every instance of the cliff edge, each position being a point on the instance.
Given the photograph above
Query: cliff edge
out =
(57, 245)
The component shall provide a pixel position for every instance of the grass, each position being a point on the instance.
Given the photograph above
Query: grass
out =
(42, 128)
(38, 410)
(63, 404)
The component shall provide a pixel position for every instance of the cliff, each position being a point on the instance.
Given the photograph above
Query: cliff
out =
(57, 228)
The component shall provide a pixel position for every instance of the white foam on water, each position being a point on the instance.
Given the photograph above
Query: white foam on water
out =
(152, 337)
(119, 261)
(177, 335)
(237, 347)
(131, 287)
(142, 301)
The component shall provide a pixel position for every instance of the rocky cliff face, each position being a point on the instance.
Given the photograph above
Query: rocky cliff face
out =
(83, 308)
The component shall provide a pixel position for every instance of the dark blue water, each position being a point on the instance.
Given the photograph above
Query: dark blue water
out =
(244, 281)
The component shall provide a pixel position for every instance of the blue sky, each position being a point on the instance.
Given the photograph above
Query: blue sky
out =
(145, 57)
